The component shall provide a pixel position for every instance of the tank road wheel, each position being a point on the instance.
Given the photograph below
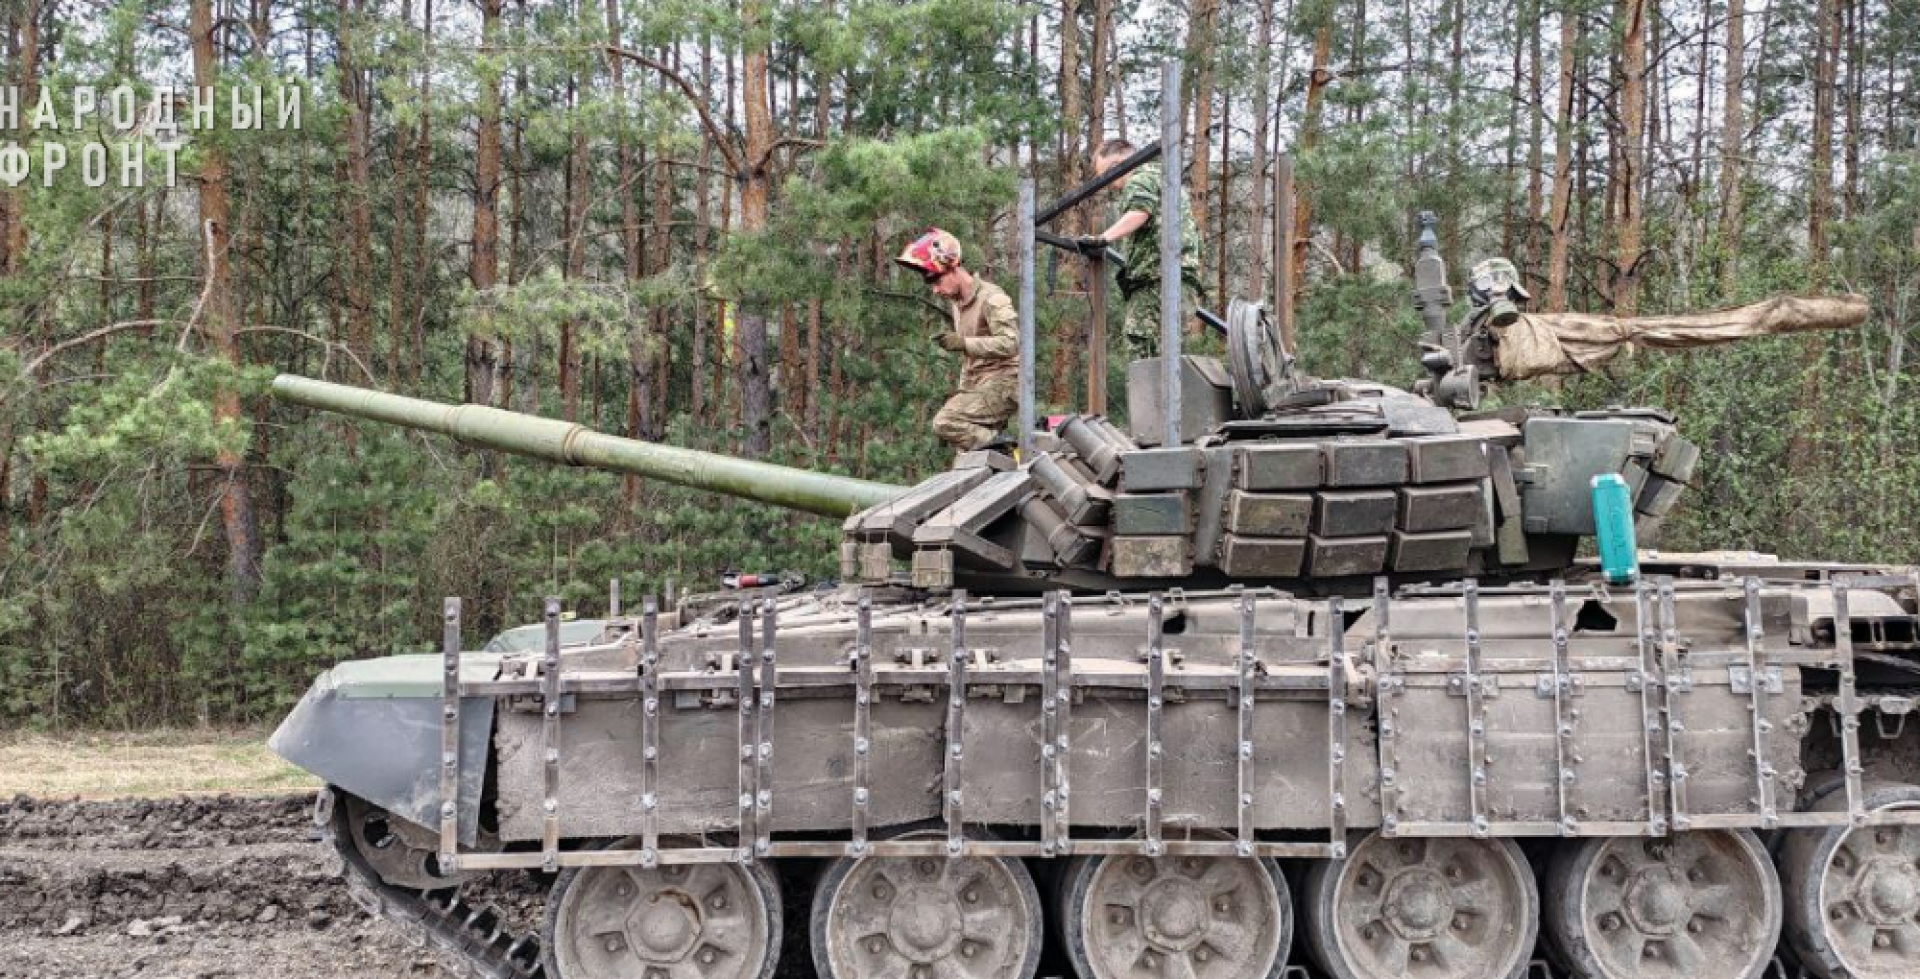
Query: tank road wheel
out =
(1853, 895)
(685, 921)
(926, 918)
(1435, 908)
(397, 851)
(1702, 905)
(1141, 918)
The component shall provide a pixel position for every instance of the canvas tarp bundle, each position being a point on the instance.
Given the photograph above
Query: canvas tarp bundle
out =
(1571, 343)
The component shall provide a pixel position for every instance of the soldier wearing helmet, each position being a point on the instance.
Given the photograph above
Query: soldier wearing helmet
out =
(985, 332)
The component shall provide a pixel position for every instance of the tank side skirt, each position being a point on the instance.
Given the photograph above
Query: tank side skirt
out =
(1663, 676)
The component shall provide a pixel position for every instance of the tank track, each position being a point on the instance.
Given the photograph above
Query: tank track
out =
(474, 939)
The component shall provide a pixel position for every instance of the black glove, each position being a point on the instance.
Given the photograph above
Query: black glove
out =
(951, 341)
(1091, 244)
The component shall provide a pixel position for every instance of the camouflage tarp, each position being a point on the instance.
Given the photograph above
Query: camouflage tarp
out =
(1571, 343)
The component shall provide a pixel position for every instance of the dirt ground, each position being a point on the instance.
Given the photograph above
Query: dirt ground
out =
(187, 887)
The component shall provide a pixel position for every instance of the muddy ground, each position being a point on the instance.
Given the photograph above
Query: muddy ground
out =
(188, 887)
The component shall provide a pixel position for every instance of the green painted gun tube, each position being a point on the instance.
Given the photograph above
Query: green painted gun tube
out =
(577, 445)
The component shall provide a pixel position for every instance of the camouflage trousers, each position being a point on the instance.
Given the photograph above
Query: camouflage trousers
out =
(1141, 327)
(973, 416)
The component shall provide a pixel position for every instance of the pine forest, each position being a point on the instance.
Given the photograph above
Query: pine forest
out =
(676, 221)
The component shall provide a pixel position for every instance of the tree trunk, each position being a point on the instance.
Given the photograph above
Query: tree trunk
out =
(483, 358)
(1302, 228)
(1855, 94)
(1633, 119)
(822, 106)
(1226, 180)
(756, 392)
(1732, 147)
(1536, 140)
(579, 176)
(397, 316)
(1202, 42)
(218, 323)
(422, 186)
(1508, 231)
(1070, 332)
(27, 83)
(1562, 164)
(359, 190)
(1099, 57)
(1256, 281)
(702, 217)
(1820, 170)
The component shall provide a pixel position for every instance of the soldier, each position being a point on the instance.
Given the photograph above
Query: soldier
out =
(986, 335)
(1137, 235)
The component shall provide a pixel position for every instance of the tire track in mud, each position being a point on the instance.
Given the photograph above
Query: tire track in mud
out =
(210, 886)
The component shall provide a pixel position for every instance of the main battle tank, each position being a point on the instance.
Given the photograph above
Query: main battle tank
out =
(1325, 688)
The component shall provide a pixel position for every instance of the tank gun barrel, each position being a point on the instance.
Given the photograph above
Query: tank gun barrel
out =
(577, 445)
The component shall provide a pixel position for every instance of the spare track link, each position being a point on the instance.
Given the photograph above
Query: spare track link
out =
(476, 940)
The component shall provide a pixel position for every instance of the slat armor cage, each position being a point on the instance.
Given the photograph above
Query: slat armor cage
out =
(1396, 681)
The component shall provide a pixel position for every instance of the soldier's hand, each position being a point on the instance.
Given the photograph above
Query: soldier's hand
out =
(951, 341)
(1091, 244)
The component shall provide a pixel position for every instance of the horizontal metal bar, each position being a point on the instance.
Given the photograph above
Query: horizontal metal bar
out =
(1223, 678)
(1073, 197)
(825, 849)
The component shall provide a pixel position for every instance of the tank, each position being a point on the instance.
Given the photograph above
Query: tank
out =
(1328, 687)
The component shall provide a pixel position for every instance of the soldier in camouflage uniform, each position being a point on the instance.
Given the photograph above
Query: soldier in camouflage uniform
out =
(1136, 233)
(986, 335)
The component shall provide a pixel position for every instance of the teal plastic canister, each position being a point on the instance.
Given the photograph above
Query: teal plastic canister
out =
(1613, 526)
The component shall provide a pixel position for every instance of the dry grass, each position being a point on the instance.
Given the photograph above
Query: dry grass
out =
(167, 762)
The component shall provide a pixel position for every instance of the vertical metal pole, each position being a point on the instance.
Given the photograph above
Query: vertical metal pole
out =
(613, 598)
(1757, 703)
(1156, 686)
(743, 687)
(450, 740)
(550, 739)
(1097, 335)
(1283, 250)
(1848, 703)
(1336, 730)
(1049, 716)
(1564, 752)
(1170, 225)
(649, 728)
(862, 724)
(1243, 766)
(1026, 318)
(763, 731)
(1476, 714)
(956, 725)
(1063, 745)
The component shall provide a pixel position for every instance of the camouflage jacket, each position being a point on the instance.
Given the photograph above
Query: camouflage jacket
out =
(987, 321)
(1140, 251)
